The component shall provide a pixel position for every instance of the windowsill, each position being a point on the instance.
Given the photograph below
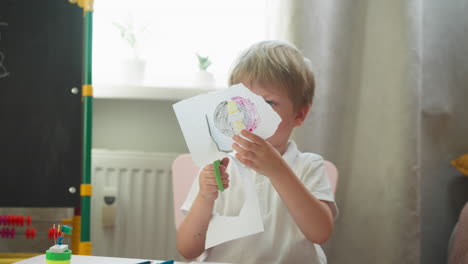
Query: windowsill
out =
(143, 92)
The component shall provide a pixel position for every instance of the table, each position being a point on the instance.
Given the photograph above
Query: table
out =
(78, 259)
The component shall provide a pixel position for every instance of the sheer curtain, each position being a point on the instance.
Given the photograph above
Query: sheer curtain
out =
(391, 78)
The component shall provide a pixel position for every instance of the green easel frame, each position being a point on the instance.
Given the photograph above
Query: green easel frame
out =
(85, 246)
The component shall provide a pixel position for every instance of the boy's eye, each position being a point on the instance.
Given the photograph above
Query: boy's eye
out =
(271, 103)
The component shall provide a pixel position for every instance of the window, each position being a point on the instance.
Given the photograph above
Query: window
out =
(169, 34)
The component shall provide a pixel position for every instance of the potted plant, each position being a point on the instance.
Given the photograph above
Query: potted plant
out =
(133, 67)
(204, 77)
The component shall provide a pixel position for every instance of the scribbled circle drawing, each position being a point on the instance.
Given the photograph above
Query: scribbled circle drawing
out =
(231, 116)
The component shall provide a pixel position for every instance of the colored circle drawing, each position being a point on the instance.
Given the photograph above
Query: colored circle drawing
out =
(231, 116)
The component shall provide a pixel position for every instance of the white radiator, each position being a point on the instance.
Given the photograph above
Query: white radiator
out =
(144, 217)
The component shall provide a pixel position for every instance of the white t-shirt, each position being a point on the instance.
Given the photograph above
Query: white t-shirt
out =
(282, 241)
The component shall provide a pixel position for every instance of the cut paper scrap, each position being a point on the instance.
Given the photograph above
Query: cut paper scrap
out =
(249, 222)
(209, 121)
(222, 228)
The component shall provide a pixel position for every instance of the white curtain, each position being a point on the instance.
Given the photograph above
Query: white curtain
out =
(389, 74)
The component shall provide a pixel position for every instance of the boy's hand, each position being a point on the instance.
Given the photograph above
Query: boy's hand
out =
(207, 180)
(259, 155)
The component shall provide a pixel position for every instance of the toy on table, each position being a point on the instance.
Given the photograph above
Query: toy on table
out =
(58, 253)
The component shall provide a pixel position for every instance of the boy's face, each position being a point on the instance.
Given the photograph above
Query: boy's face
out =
(279, 99)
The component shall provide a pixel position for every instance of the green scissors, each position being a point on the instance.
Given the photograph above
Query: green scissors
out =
(216, 163)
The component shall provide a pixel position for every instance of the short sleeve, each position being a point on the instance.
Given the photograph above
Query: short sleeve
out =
(191, 195)
(313, 175)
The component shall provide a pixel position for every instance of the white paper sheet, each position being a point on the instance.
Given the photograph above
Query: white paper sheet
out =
(226, 228)
(222, 114)
(208, 122)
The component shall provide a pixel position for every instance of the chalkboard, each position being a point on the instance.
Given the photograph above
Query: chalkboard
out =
(40, 116)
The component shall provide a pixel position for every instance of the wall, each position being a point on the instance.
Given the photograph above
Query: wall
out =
(140, 125)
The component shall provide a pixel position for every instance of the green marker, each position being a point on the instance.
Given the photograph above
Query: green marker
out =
(218, 175)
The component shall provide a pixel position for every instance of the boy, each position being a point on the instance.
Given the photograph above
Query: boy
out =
(295, 197)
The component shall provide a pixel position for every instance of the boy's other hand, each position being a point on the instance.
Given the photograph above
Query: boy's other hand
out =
(258, 154)
(207, 180)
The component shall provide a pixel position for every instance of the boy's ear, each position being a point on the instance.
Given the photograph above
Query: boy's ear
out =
(301, 115)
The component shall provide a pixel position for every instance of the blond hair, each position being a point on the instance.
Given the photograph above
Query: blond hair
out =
(277, 62)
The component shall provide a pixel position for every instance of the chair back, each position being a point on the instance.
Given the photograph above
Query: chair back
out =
(184, 172)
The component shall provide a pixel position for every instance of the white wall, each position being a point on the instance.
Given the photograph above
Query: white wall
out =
(140, 125)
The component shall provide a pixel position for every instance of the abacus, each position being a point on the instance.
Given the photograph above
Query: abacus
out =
(12, 222)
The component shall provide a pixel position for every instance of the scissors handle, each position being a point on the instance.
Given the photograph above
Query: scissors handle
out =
(216, 164)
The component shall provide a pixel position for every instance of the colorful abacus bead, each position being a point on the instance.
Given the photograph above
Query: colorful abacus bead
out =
(30, 233)
(5, 232)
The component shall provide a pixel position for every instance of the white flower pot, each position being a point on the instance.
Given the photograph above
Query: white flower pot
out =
(133, 71)
(204, 78)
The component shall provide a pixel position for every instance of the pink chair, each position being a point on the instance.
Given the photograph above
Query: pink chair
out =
(184, 172)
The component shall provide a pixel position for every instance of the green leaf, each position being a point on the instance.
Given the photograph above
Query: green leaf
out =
(203, 62)
(120, 27)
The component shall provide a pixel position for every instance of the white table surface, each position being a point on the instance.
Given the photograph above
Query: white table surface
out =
(78, 259)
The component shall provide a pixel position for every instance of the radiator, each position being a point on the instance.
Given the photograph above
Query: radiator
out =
(143, 226)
